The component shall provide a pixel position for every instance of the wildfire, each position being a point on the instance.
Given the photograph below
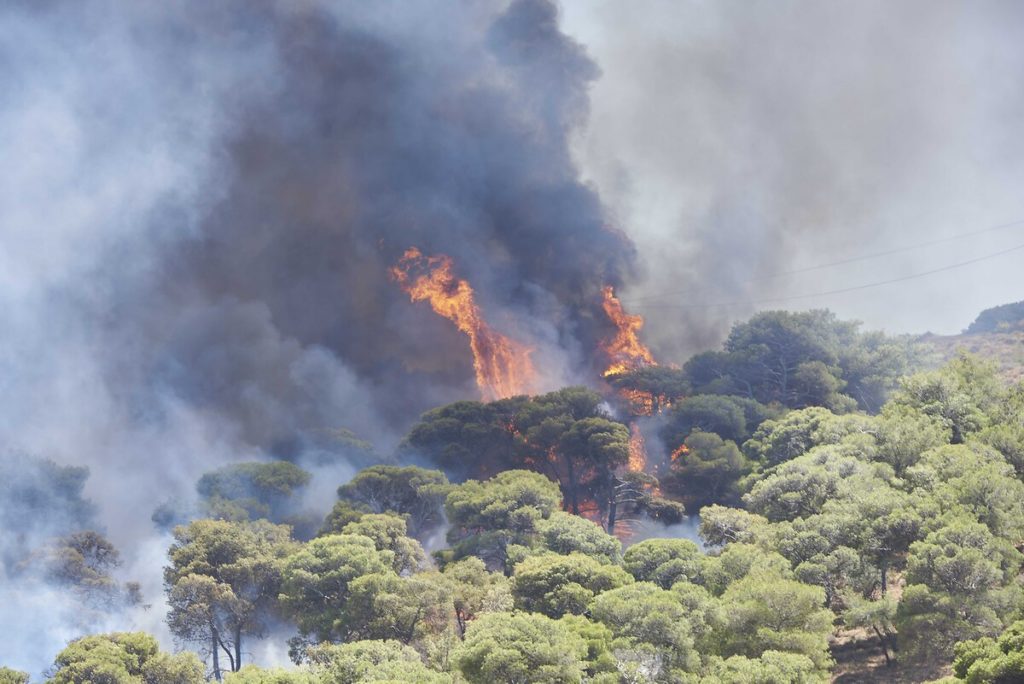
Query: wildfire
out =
(637, 449)
(503, 367)
(625, 350)
(679, 452)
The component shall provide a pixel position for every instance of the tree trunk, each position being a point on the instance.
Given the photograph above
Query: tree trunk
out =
(215, 649)
(613, 507)
(237, 665)
(884, 643)
(573, 494)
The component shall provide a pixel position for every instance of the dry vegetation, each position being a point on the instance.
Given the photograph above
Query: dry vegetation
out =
(1005, 348)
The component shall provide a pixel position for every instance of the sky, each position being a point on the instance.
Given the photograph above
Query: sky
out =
(738, 140)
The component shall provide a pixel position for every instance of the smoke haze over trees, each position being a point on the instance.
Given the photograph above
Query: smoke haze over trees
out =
(203, 348)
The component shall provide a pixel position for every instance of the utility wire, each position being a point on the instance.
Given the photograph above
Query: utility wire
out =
(851, 260)
(854, 288)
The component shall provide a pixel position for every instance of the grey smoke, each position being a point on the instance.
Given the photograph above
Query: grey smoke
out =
(198, 206)
(738, 139)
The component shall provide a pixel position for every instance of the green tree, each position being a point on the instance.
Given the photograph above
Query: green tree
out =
(476, 591)
(706, 471)
(388, 534)
(316, 584)
(772, 667)
(664, 561)
(765, 611)
(222, 581)
(41, 499)
(557, 585)
(123, 658)
(365, 662)
(9, 676)
(250, 674)
(468, 438)
(487, 517)
(955, 587)
(992, 661)
(83, 561)
(662, 384)
(406, 609)
(720, 525)
(520, 648)
(591, 449)
(414, 493)
(801, 359)
(249, 491)
(565, 533)
(961, 394)
(794, 434)
(652, 623)
(904, 433)
(877, 615)
(728, 417)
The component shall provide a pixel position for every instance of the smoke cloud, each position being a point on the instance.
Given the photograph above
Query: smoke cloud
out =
(737, 140)
(200, 202)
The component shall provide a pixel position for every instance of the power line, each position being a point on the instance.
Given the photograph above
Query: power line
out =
(854, 288)
(851, 260)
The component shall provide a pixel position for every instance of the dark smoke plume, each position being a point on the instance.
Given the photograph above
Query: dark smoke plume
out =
(199, 204)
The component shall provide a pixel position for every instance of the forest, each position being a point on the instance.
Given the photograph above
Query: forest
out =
(847, 499)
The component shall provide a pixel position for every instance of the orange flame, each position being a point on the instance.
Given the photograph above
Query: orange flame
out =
(679, 452)
(503, 367)
(637, 449)
(625, 350)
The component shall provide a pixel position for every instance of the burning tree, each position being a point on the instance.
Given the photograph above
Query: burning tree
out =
(503, 367)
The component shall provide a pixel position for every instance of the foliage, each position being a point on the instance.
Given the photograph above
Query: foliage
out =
(9, 676)
(706, 470)
(414, 493)
(961, 394)
(250, 491)
(476, 591)
(521, 648)
(83, 562)
(388, 533)
(557, 585)
(316, 584)
(250, 674)
(123, 658)
(488, 517)
(664, 561)
(646, 619)
(41, 498)
(802, 359)
(765, 611)
(566, 533)
(772, 667)
(664, 384)
(222, 581)
(992, 661)
(778, 441)
(729, 417)
(567, 435)
(364, 662)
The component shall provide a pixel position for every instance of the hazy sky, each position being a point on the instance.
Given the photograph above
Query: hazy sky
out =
(735, 140)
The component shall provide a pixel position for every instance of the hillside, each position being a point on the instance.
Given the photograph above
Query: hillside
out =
(996, 334)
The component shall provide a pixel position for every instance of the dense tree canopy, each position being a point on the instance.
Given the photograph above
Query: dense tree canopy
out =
(802, 359)
(899, 527)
